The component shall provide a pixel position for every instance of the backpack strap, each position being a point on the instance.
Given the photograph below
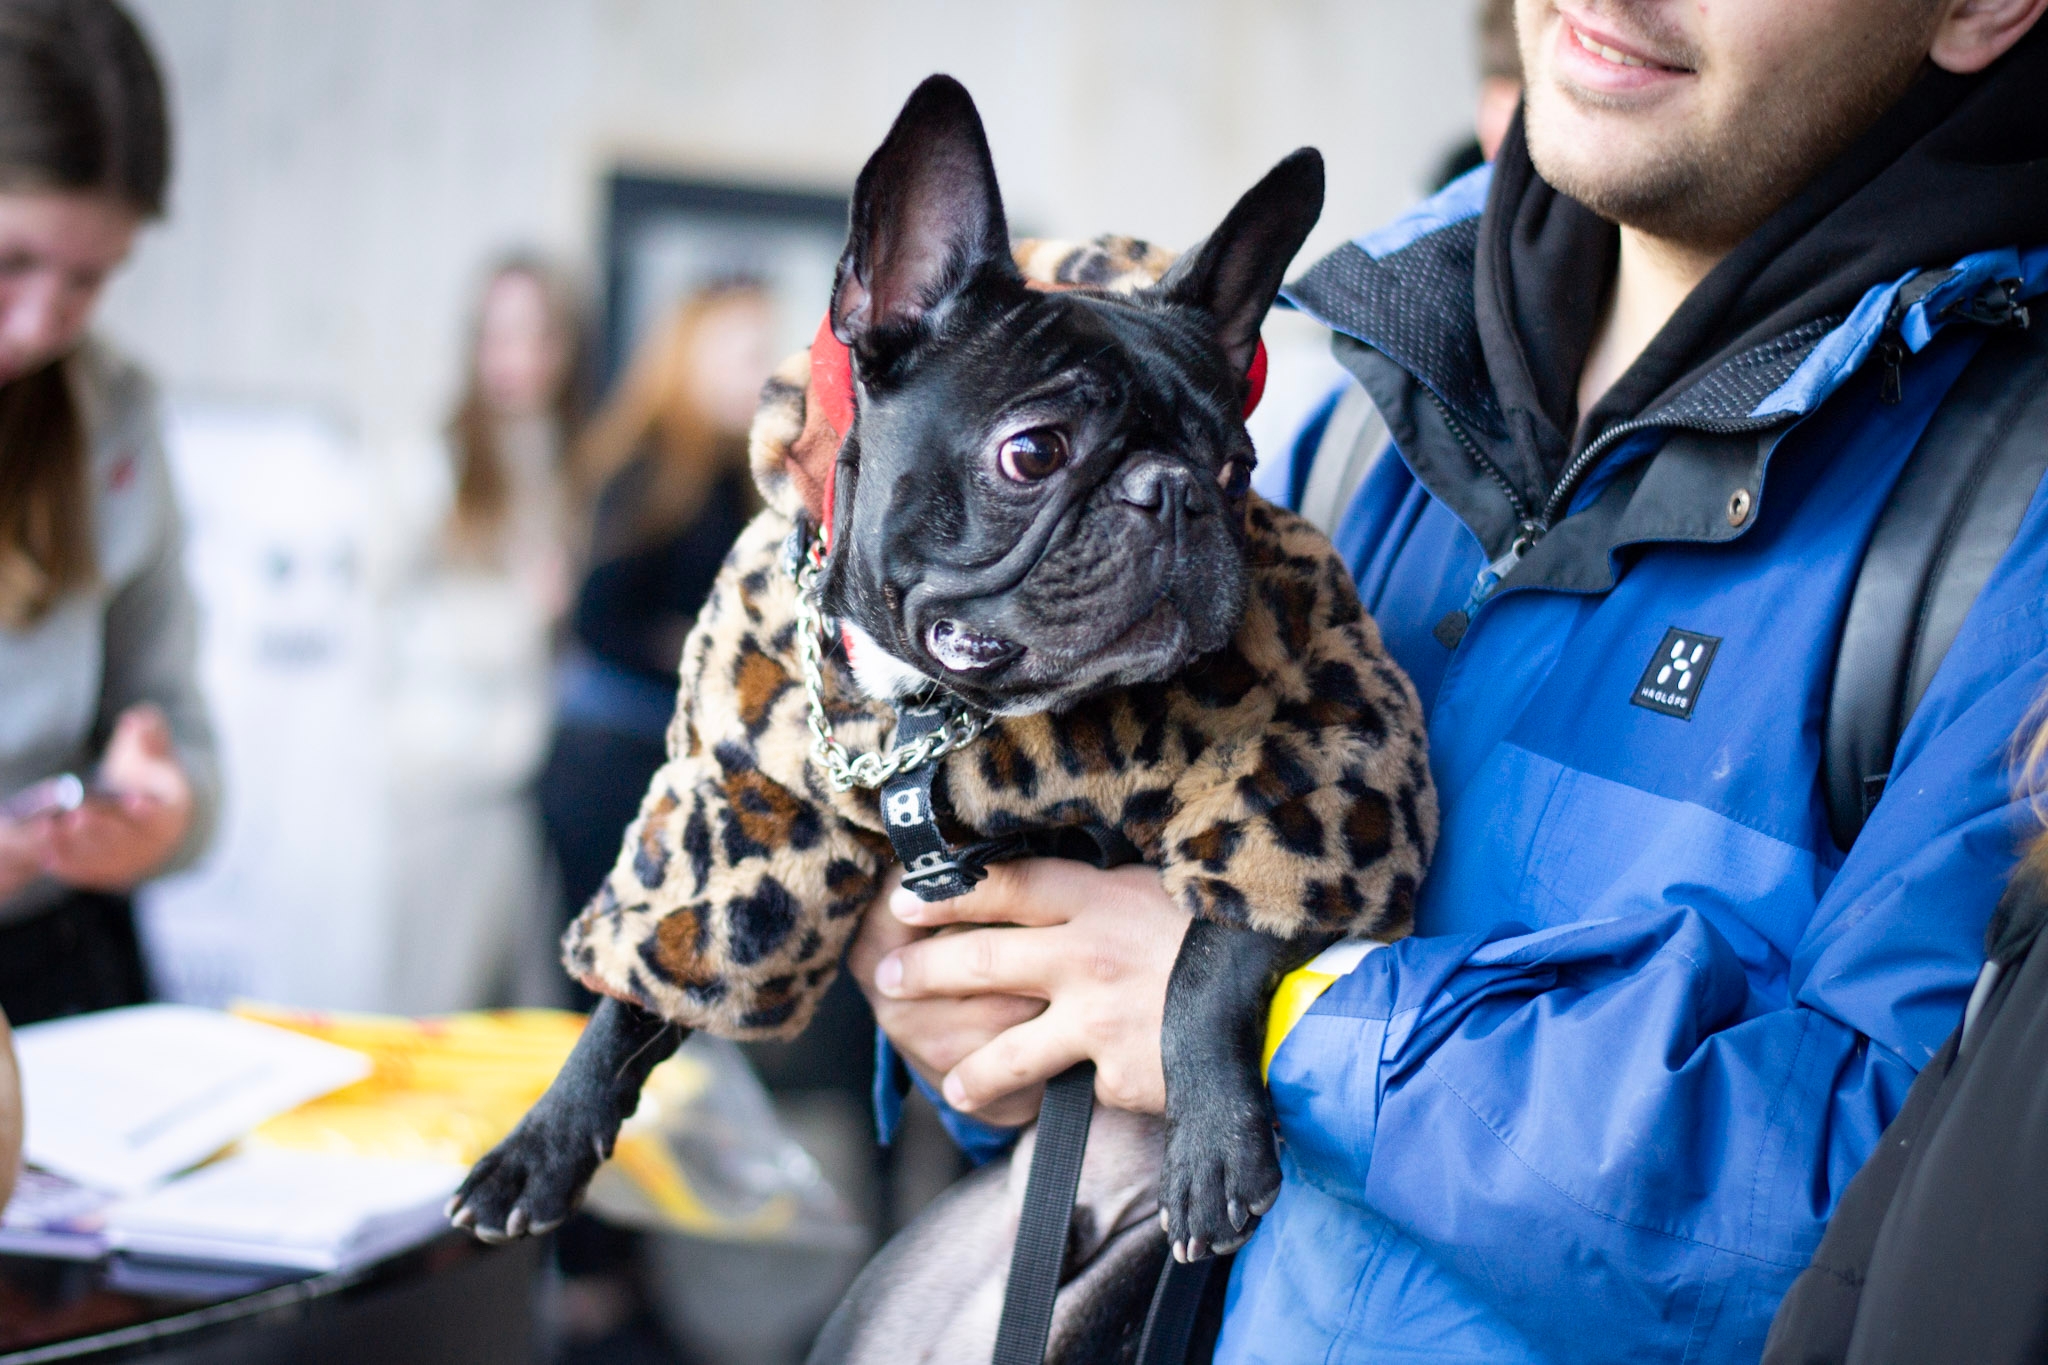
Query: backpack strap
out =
(1950, 519)
(1353, 440)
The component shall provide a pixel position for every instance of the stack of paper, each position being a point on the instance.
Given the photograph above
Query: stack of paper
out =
(56, 1218)
(118, 1104)
(122, 1099)
(308, 1211)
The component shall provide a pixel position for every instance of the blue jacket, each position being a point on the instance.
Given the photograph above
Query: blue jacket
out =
(1651, 1021)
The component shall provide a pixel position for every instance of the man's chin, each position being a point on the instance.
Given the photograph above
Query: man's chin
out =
(1637, 167)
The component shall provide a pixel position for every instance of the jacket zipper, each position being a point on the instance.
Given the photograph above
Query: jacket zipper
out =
(1451, 629)
(1995, 306)
(1534, 526)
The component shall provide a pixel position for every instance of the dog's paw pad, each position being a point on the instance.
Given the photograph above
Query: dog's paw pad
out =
(1214, 1188)
(526, 1186)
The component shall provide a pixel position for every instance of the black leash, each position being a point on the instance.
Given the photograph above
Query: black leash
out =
(1047, 1215)
(937, 871)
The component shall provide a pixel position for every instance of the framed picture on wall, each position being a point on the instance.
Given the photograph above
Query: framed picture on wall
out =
(667, 237)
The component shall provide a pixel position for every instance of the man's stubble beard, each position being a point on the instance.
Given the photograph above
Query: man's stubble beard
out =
(1712, 182)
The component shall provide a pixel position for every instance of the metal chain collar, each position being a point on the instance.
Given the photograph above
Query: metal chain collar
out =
(848, 770)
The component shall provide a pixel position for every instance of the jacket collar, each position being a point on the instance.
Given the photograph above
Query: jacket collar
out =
(1401, 301)
(1467, 319)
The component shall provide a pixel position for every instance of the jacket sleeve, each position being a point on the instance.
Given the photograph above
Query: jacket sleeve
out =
(1620, 1093)
(152, 639)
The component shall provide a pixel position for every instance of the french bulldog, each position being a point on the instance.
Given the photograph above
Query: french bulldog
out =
(1041, 507)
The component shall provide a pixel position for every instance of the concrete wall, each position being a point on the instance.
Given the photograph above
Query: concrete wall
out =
(346, 165)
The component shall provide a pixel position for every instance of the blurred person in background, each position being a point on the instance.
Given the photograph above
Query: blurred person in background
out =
(480, 593)
(97, 626)
(665, 466)
(667, 459)
(1500, 92)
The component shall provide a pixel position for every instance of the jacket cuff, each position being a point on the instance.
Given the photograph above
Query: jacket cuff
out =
(1324, 1069)
(1328, 1061)
(982, 1142)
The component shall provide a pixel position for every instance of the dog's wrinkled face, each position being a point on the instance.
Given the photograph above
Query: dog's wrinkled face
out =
(1049, 502)
(1043, 494)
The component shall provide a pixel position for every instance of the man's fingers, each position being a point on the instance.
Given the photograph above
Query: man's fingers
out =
(935, 1035)
(1033, 891)
(1023, 1056)
(1006, 961)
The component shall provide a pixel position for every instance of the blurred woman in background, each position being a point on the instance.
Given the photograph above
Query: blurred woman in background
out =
(669, 455)
(473, 621)
(97, 630)
(665, 464)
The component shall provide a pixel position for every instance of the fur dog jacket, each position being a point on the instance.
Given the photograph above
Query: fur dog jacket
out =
(1279, 784)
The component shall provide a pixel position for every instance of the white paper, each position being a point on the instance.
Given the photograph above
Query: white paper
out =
(124, 1098)
(54, 1217)
(306, 1210)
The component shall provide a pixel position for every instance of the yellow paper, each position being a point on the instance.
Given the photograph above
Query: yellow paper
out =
(440, 1089)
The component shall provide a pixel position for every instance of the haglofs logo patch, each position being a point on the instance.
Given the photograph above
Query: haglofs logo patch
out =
(1677, 672)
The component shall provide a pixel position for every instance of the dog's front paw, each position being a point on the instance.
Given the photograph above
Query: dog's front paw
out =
(530, 1182)
(1215, 1183)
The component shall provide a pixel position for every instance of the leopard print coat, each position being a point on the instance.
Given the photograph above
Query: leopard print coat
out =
(1279, 784)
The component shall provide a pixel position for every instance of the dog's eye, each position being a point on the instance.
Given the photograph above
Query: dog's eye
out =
(1235, 478)
(1030, 456)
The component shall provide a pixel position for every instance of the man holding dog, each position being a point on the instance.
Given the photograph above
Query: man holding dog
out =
(1650, 381)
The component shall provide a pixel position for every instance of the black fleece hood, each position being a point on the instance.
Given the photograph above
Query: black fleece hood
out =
(1959, 164)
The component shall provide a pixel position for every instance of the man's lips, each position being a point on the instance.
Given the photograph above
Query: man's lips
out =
(1602, 60)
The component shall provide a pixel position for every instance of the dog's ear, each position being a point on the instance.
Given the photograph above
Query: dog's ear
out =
(926, 216)
(1235, 274)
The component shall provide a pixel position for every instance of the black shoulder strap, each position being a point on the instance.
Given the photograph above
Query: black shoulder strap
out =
(1951, 517)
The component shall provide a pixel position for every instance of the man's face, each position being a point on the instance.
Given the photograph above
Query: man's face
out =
(1693, 121)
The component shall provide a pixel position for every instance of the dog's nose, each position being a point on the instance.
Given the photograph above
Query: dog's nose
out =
(1160, 487)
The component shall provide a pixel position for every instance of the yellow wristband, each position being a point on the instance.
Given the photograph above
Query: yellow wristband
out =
(1303, 986)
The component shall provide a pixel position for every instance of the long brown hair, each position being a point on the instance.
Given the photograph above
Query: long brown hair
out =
(2030, 760)
(483, 487)
(81, 108)
(654, 413)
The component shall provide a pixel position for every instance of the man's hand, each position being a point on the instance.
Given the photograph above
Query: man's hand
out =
(1075, 967)
(132, 825)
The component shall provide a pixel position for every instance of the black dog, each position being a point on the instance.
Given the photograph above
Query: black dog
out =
(1043, 501)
